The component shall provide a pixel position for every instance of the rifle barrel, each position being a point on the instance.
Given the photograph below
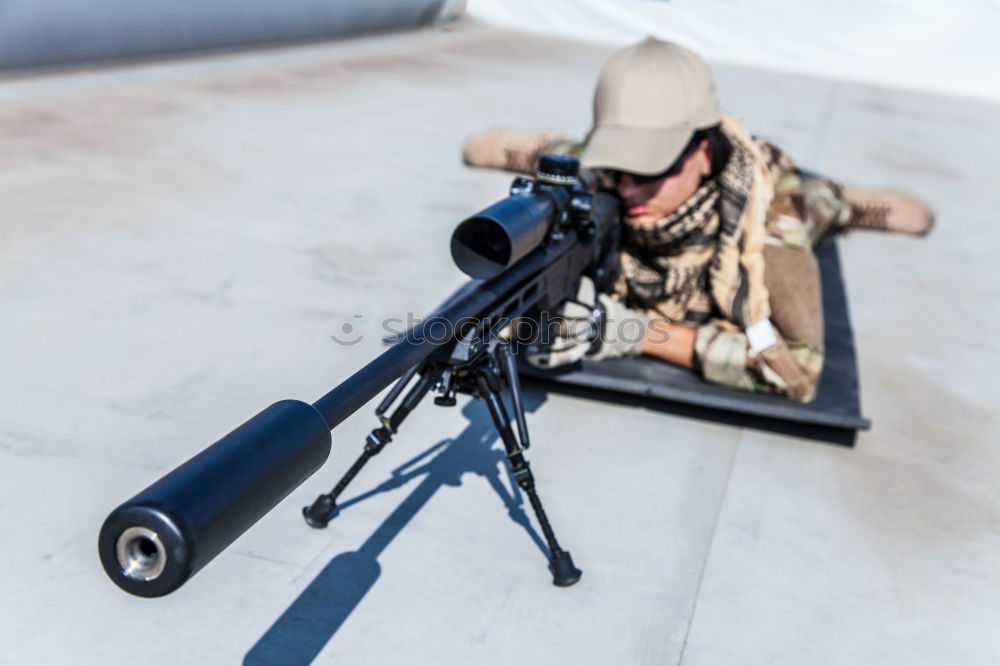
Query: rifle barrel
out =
(153, 543)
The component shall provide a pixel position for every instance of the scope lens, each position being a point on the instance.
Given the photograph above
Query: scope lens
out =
(485, 238)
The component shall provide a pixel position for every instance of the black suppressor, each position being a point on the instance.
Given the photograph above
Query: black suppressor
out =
(161, 537)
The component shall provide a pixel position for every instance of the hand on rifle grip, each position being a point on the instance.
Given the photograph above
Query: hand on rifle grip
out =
(594, 326)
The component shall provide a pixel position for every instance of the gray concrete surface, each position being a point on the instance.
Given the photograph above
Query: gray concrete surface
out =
(179, 241)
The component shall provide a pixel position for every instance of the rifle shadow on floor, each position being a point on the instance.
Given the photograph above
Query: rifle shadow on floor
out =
(305, 628)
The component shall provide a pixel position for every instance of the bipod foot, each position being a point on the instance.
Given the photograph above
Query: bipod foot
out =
(564, 573)
(321, 512)
(324, 509)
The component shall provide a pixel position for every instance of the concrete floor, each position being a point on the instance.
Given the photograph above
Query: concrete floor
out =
(179, 240)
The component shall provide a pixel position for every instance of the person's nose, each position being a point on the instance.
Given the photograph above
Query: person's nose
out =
(626, 186)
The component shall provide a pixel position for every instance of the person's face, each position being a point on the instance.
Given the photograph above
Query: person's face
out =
(647, 203)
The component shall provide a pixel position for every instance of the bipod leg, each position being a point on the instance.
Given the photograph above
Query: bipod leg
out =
(564, 573)
(508, 366)
(321, 512)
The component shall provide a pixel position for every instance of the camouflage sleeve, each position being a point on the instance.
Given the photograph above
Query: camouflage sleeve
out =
(515, 150)
(724, 356)
(790, 367)
(806, 207)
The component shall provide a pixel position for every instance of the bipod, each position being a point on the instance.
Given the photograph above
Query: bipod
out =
(482, 377)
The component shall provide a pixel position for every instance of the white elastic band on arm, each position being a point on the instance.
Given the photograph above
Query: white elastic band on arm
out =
(761, 335)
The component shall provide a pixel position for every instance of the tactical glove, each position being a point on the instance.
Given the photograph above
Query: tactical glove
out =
(592, 326)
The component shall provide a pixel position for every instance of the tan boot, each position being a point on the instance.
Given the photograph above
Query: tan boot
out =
(888, 210)
(513, 150)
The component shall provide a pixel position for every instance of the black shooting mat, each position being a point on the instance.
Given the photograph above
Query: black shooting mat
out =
(833, 416)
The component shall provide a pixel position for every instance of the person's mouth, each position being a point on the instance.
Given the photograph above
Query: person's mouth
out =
(635, 211)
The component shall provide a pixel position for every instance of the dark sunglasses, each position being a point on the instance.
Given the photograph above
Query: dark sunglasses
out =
(672, 170)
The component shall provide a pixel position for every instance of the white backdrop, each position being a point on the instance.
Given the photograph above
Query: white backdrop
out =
(946, 46)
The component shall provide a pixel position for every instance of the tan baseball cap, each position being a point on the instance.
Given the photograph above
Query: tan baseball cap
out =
(650, 100)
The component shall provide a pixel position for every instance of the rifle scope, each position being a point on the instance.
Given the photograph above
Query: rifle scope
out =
(500, 235)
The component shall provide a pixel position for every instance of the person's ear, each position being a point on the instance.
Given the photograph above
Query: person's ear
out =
(704, 157)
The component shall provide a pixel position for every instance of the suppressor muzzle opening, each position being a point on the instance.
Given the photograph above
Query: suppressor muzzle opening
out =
(141, 554)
